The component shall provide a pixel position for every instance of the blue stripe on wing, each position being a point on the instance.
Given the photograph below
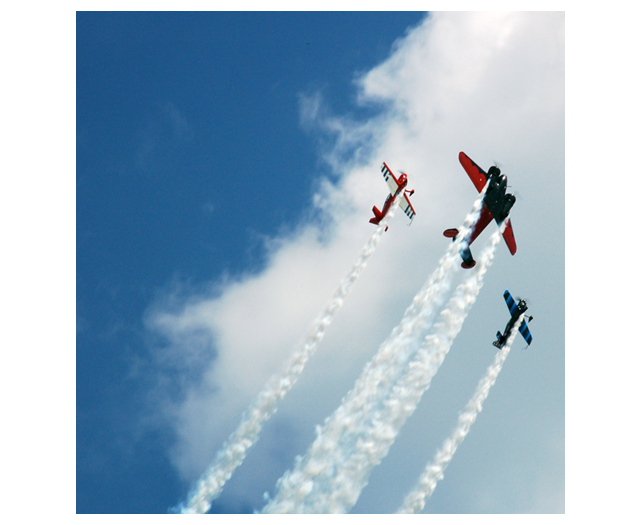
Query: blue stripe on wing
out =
(524, 330)
(409, 211)
(385, 172)
(511, 304)
(389, 178)
(406, 206)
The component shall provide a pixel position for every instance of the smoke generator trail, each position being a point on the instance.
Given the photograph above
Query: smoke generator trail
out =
(434, 472)
(311, 485)
(234, 450)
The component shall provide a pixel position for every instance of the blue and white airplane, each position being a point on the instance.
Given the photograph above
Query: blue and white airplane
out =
(516, 311)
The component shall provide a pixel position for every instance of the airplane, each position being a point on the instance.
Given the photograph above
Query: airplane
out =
(395, 186)
(495, 205)
(516, 311)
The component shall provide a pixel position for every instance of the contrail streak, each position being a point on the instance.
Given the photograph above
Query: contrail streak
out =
(316, 475)
(376, 436)
(434, 472)
(234, 450)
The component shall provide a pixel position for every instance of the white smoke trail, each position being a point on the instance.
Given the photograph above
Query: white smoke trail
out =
(315, 474)
(434, 472)
(375, 437)
(234, 450)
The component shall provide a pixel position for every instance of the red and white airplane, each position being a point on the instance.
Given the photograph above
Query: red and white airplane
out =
(396, 186)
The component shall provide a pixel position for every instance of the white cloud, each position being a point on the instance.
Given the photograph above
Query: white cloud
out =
(489, 84)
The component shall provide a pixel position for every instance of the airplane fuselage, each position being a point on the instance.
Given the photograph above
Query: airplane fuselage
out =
(402, 183)
(502, 338)
(387, 205)
(392, 197)
(496, 198)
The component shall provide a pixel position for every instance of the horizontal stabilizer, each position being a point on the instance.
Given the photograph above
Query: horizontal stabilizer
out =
(467, 258)
(451, 232)
(377, 216)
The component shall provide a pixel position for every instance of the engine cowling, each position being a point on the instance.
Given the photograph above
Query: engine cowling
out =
(493, 170)
(509, 201)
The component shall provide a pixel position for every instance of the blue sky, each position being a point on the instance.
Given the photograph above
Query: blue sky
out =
(190, 149)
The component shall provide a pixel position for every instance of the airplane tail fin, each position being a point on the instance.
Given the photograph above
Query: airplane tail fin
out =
(496, 343)
(465, 252)
(377, 215)
(467, 258)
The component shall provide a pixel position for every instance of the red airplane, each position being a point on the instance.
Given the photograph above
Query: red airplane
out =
(396, 186)
(495, 205)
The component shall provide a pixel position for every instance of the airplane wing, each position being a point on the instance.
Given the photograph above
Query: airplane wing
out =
(509, 238)
(482, 222)
(392, 182)
(475, 172)
(405, 204)
(511, 304)
(524, 330)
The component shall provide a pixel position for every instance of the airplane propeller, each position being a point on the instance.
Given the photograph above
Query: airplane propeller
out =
(517, 194)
